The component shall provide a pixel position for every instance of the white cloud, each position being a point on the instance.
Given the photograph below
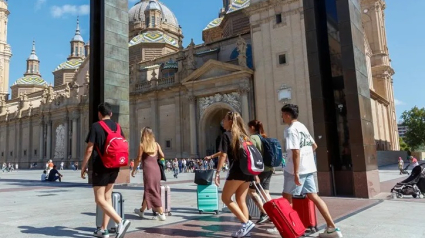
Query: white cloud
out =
(398, 102)
(74, 10)
(38, 4)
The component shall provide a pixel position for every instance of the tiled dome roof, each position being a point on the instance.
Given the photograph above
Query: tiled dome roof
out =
(137, 12)
(154, 37)
(70, 64)
(214, 23)
(237, 5)
(31, 80)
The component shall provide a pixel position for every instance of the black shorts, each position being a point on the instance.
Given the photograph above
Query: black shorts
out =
(104, 178)
(265, 178)
(237, 174)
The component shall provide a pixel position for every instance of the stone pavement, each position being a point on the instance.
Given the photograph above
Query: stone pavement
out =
(30, 208)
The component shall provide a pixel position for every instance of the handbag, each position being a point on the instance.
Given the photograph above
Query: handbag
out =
(204, 177)
(162, 171)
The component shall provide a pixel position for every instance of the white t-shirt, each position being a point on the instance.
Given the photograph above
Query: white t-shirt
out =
(298, 138)
(43, 177)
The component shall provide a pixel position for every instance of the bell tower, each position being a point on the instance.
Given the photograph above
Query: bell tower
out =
(5, 52)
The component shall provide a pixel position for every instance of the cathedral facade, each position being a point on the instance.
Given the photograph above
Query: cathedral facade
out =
(251, 51)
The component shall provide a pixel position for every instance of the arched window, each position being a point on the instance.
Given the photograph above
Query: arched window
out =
(76, 51)
(153, 21)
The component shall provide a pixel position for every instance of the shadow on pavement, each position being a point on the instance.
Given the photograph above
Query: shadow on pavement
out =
(36, 183)
(180, 232)
(56, 231)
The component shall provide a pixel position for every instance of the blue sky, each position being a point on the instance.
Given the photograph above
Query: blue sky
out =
(51, 23)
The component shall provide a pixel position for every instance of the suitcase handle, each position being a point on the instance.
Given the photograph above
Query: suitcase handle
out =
(264, 196)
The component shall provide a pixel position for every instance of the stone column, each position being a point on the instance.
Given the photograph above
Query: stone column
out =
(178, 141)
(17, 142)
(66, 146)
(49, 140)
(244, 90)
(30, 142)
(74, 155)
(41, 145)
(155, 117)
(192, 124)
(109, 65)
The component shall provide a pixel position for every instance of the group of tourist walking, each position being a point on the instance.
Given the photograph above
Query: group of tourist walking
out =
(298, 173)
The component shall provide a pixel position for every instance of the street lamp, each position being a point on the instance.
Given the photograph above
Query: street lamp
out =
(284, 94)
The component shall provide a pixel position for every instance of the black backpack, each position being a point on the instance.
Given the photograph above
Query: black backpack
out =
(272, 151)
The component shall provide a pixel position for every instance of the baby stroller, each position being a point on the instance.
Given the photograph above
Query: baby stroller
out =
(404, 171)
(414, 185)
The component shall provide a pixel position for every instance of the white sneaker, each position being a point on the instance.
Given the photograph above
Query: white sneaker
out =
(122, 228)
(331, 233)
(101, 233)
(159, 217)
(138, 212)
(244, 231)
(272, 231)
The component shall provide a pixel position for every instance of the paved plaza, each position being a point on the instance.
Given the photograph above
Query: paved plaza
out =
(30, 208)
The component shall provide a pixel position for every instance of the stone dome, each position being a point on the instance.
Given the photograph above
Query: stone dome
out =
(238, 5)
(70, 64)
(31, 80)
(137, 12)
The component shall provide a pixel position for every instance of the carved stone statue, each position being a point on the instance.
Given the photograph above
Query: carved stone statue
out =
(241, 47)
(67, 93)
(190, 57)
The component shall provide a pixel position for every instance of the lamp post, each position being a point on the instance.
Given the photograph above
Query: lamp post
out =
(284, 94)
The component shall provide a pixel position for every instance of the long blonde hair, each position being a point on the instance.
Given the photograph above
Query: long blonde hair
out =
(238, 131)
(147, 141)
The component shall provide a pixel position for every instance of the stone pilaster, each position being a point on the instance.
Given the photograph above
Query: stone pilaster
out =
(49, 140)
(192, 124)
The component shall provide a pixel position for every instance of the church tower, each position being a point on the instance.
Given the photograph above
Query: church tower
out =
(31, 81)
(33, 64)
(5, 52)
(77, 44)
(65, 72)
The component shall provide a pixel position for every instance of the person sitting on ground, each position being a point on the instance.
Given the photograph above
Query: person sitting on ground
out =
(54, 175)
(44, 176)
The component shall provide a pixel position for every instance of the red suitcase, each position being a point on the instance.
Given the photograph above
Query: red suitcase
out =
(280, 212)
(306, 210)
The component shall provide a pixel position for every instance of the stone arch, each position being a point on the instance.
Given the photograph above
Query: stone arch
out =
(209, 126)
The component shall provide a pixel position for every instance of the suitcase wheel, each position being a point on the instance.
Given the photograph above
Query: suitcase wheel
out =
(201, 212)
(217, 212)
(169, 213)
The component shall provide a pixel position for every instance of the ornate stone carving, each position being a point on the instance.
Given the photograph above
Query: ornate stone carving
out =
(233, 99)
(190, 57)
(191, 98)
(60, 142)
(244, 88)
(241, 46)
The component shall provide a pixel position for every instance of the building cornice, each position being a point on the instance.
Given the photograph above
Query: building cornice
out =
(375, 96)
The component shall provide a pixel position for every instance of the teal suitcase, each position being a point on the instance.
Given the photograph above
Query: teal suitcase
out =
(207, 198)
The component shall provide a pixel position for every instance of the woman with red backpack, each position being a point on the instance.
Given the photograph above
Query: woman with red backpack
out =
(237, 182)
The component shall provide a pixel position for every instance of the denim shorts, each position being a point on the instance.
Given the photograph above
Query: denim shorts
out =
(308, 185)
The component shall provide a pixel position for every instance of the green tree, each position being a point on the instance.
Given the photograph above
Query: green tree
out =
(403, 145)
(414, 119)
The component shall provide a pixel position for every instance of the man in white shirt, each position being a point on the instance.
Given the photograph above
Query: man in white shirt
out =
(301, 166)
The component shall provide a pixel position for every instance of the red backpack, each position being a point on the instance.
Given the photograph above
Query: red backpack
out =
(116, 148)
